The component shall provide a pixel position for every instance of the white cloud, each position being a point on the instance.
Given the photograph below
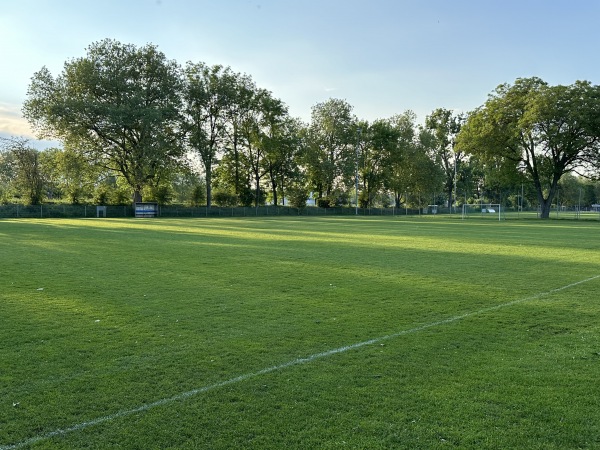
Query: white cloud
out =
(12, 122)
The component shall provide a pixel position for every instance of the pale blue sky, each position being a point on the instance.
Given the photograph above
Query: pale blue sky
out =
(382, 56)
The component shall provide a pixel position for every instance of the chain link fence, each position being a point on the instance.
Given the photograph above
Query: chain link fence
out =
(91, 211)
(62, 211)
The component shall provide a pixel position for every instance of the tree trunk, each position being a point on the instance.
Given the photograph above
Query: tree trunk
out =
(236, 158)
(546, 203)
(273, 184)
(137, 195)
(257, 194)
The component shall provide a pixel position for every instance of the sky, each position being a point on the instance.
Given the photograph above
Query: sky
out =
(383, 57)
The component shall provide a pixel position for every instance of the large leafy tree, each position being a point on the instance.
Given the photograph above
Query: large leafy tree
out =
(259, 131)
(208, 93)
(444, 124)
(545, 131)
(379, 144)
(24, 169)
(118, 105)
(239, 111)
(68, 174)
(283, 145)
(331, 157)
(426, 175)
(398, 164)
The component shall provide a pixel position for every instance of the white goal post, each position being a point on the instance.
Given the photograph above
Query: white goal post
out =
(486, 210)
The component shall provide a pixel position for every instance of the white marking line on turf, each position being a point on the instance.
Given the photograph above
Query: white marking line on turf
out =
(294, 362)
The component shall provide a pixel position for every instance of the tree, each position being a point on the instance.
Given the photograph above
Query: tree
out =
(243, 93)
(445, 126)
(426, 175)
(379, 144)
(284, 146)
(398, 168)
(118, 105)
(332, 134)
(544, 131)
(27, 174)
(7, 174)
(68, 174)
(259, 130)
(208, 95)
(275, 142)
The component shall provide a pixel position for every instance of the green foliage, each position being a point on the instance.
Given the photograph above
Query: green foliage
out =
(118, 105)
(223, 198)
(112, 191)
(332, 140)
(197, 195)
(325, 202)
(364, 201)
(545, 131)
(128, 110)
(163, 194)
(208, 93)
(445, 126)
(188, 188)
(24, 168)
(246, 195)
(297, 196)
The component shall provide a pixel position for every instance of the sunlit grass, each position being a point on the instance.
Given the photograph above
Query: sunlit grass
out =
(100, 317)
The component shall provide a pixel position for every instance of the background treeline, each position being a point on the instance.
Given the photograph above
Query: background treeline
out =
(134, 125)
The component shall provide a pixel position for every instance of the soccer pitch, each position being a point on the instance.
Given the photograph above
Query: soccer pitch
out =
(308, 332)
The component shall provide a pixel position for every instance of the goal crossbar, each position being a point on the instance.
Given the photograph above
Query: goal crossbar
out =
(483, 209)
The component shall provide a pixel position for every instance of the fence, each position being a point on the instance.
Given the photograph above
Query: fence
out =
(57, 211)
(83, 211)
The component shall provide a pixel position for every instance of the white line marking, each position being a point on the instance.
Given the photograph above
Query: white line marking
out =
(294, 362)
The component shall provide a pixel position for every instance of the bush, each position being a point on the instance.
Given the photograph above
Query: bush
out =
(246, 196)
(162, 194)
(297, 197)
(222, 198)
(364, 200)
(197, 195)
(324, 202)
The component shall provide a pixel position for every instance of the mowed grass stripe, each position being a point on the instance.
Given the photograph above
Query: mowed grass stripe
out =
(214, 304)
(295, 362)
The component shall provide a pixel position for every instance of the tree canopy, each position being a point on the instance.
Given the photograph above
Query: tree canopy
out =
(132, 121)
(544, 131)
(119, 106)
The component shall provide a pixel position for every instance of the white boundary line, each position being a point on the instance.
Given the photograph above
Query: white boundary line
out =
(294, 362)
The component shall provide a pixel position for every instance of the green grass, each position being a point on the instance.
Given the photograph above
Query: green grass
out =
(133, 312)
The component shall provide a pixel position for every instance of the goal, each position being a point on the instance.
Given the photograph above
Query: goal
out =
(482, 210)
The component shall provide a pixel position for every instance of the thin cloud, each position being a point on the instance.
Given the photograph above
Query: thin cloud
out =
(12, 122)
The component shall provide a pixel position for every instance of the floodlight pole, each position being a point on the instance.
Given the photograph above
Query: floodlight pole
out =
(452, 200)
(356, 174)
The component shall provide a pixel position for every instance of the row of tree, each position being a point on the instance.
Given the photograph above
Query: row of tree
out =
(129, 119)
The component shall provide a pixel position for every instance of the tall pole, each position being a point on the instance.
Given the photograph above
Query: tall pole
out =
(452, 200)
(579, 205)
(521, 206)
(356, 173)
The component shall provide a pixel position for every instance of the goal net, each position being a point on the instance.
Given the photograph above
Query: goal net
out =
(488, 211)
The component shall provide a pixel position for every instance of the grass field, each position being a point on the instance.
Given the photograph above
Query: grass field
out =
(299, 333)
